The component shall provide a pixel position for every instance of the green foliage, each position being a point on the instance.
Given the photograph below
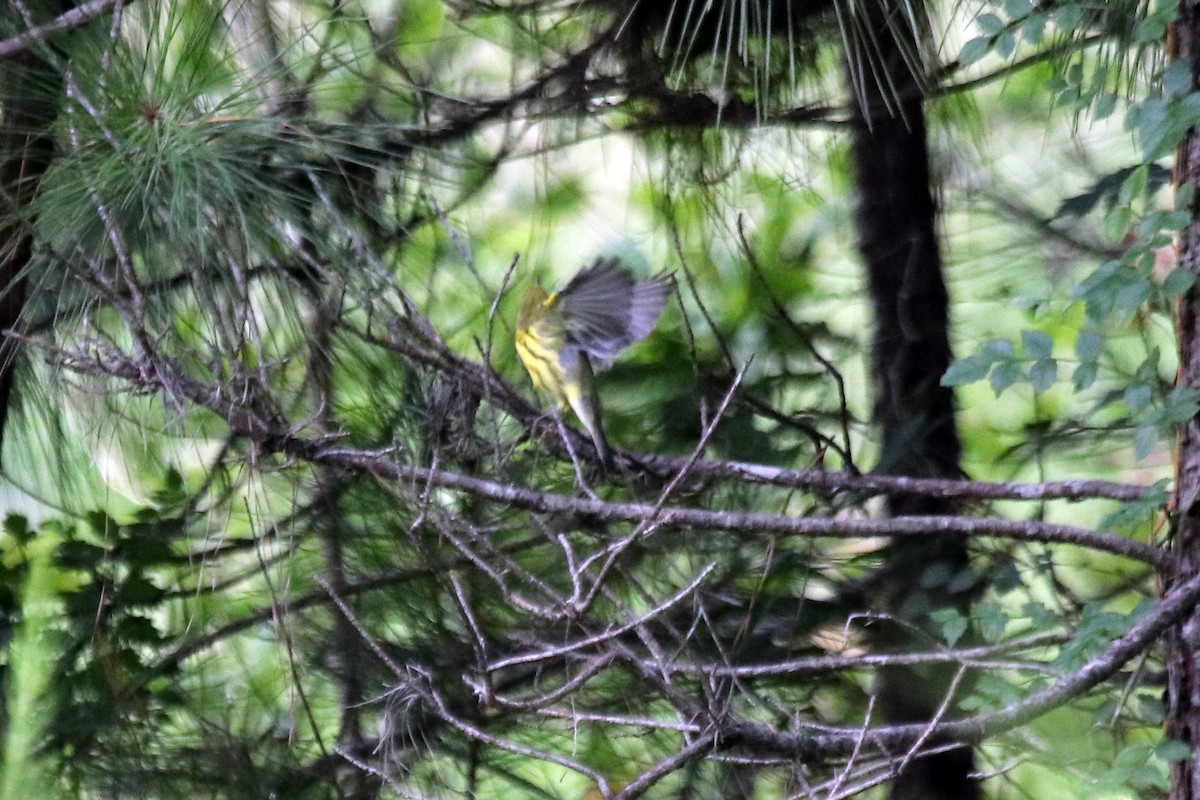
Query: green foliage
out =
(999, 362)
(1097, 627)
(1140, 768)
(1119, 290)
(27, 663)
(1140, 511)
(258, 224)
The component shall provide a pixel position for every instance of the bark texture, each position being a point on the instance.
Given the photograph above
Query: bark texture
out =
(911, 351)
(1183, 642)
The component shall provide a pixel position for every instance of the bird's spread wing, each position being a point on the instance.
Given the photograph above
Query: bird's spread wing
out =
(649, 297)
(607, 310)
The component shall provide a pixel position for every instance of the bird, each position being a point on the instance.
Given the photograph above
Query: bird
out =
(563, 337)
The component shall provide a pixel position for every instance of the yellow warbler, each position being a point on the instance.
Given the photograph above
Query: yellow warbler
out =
(560, 336)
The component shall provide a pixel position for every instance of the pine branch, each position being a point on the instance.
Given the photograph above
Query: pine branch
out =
(69, 20)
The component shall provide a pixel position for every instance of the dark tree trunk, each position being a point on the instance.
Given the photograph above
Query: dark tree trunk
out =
(30, 99)
(1183, 642)
(911, 352)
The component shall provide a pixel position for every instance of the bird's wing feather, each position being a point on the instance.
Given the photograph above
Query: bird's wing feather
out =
(596, 305)
(606, 310)
(649, 297)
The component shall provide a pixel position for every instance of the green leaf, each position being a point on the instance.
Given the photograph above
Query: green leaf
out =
(1085, 375)
(1033, 30)
(1144, 440)
(1151, 711)
(967, 370)
(1177, 78)
(1104, 190)
(1005, 577)
(962, 581)
(1143, 609)
(1151, 121)
(1117, 223)
(1178, 281)
(1147, 371)
(172, 493)
(1166, 10)
(1068, 17)
(953, 624)
(138, 629)
(990, 619)
(998, 348)
(138, 590)
(16, 525)
(75, 554)
(1185, 112)
(1181, 405)
(1185, 194)
(1173, 750)
(1006, 44)
(1134, 185)
(1037, 344)
(101, 523)
(1106, 104)
(989, 24)
(1173, 220)
(1150, 29)
(1129, 299)
(1004, 375)
(1094, 632)
(1138, 397)
(974, 50)
(1131, 757)
(1089, 345)
(1043, 374)
(1017, 8)
(1039, 616)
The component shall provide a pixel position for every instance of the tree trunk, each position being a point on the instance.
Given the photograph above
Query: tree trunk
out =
(1183, 642)
(30, 99)
(911, 351)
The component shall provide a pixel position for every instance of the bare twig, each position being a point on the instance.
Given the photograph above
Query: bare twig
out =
(973, 729)
(69, 20)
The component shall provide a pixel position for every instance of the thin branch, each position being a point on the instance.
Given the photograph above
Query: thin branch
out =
(511, 401)
(968, 656)
(752, 523)
(75, 18)
(690, 751)
(591, 641)
(974, 729)
(274, 436)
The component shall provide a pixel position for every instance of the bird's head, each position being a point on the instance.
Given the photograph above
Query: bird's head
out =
(533, 307)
